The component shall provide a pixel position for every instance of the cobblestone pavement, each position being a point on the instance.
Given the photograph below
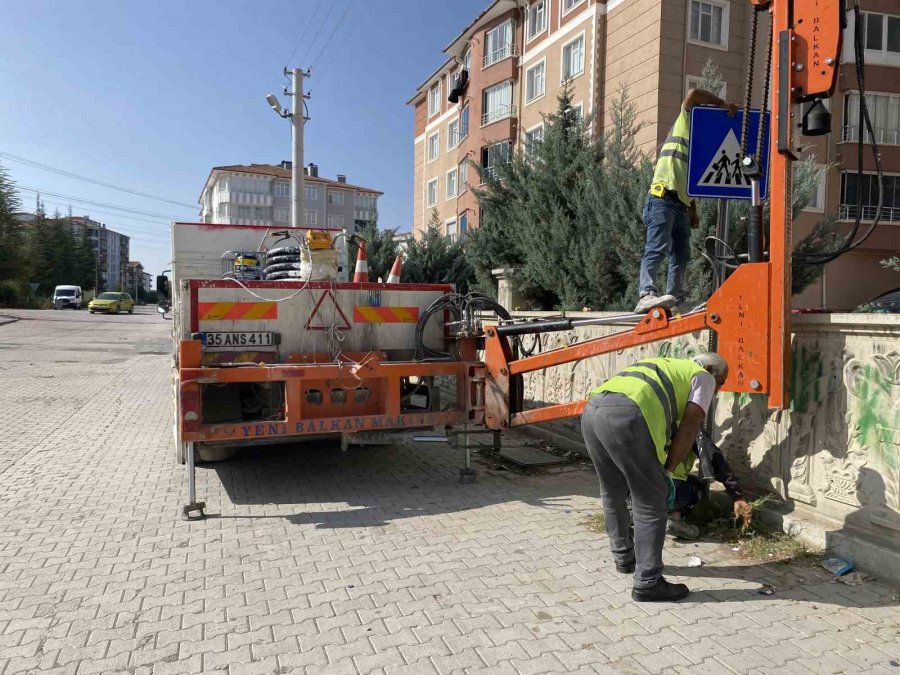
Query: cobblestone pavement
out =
(373, 561)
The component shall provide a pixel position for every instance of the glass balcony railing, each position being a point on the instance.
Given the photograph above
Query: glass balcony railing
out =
(889, 214)
(503, 52)
(883, 135)
(498, 113)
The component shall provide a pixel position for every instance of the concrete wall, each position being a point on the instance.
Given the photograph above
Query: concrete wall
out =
(833, 459)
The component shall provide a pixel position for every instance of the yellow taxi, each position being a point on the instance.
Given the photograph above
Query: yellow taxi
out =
(112, 303)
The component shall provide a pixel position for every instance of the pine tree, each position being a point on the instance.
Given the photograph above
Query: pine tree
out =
(11, 237)
(435, 259)
(381, 249)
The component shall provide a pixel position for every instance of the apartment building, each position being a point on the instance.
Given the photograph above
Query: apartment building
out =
(506, 68)
(136, 278)
(260, 194)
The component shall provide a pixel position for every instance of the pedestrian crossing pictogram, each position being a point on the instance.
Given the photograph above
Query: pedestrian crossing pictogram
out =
(725, 166)
(715, 157)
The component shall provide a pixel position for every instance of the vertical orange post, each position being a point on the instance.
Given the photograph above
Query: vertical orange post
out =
(780, 229)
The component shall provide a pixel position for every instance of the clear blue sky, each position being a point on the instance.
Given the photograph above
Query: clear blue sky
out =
(151, 95)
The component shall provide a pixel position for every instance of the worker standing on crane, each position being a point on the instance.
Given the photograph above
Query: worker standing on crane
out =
(639, 428)
(669, 214)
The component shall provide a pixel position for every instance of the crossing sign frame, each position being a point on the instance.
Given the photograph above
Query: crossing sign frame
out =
(713, 160)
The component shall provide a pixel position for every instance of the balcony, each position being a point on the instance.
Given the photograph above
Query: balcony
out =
(503, 52)
(889, 214)
(501, 112)
(883, 135)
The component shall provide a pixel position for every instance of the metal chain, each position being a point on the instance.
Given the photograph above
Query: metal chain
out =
(765, 102)
(751, 65)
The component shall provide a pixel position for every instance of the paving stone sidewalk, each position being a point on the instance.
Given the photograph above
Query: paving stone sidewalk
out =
(371, 561)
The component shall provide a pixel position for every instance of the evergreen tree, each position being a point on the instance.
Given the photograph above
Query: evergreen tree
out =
(381, 250)
(11, 236)
(435, 259)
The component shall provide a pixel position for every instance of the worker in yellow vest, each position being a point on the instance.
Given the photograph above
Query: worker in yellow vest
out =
(669, 214)
(639, 428)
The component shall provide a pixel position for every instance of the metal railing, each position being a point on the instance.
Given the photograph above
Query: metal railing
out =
(883, 135)
(501, 112)
(889, 214)
(503, 52)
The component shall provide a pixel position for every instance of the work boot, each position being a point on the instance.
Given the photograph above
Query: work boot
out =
(663, 591)
(651, 301)
(682, 530)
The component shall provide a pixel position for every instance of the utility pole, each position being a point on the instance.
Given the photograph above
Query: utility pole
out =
(298, 120)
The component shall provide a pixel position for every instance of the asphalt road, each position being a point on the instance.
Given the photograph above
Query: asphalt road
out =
(372, 561)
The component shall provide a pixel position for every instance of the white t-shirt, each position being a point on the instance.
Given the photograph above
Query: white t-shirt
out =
(703, 388)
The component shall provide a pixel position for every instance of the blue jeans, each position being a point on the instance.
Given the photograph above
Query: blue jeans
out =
(668, 234)
(687, 494)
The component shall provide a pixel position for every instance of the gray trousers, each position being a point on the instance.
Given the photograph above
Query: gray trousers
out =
(625, 459)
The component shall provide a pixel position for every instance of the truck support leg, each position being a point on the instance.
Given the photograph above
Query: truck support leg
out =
(194, 509)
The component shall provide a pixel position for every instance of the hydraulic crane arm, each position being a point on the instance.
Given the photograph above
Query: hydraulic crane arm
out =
(750, 312)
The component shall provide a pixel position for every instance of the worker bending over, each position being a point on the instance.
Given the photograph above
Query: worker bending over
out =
(669, 214)
(639, 428)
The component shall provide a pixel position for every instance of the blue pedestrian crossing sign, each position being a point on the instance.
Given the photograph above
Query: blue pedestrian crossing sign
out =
(714, 159)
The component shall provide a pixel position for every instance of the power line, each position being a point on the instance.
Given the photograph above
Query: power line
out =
(125, 209)
(303, 35)
(153, 221)
(70, 174)
(320, 76)
(333, 31)
(318, 33)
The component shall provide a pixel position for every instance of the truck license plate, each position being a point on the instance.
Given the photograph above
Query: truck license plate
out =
(230, 341)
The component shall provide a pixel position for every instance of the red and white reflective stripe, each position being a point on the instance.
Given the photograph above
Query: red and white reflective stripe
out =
(361, 273)
(394, 276)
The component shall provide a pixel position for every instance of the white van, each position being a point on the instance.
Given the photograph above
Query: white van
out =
(67, 297)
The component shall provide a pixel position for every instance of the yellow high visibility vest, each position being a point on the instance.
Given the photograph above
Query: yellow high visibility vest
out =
(660, 388)
(671, 167)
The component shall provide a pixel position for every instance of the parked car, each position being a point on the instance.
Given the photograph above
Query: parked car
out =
(886, 303)
(112, 303)
(65, 297)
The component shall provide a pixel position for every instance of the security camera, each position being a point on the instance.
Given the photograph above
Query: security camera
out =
(273, 103)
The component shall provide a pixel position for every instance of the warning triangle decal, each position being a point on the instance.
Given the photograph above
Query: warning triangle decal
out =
(724, 168)
(325, 315)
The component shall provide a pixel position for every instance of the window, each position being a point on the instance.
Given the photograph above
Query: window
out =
(467, 59)
(709, 22)
(312, 193)
(222, 211)
(569, 5)
(884, 111)
(464, 122)
(223, 185)
(463, 224)
(579, 111)
(693, 82)
(573, 59)
(434, 100)
(451, 183)
(817, 198)
(452, 134)
(366, 201)
(335, 221)
(882, 32)
(853, 190)
(282, 215)
(434, 146)
(533, 136)
(312, 218)
(497, 103)
(280, 189)
(534, 81)
(463, 177)
(431, 193)
(498, 43)
(494, 155)
(336, 197)
(536, 22)
(450, 229)
(245, 212)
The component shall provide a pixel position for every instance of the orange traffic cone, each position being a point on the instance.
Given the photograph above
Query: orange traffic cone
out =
(361, 273)
(394, 276)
